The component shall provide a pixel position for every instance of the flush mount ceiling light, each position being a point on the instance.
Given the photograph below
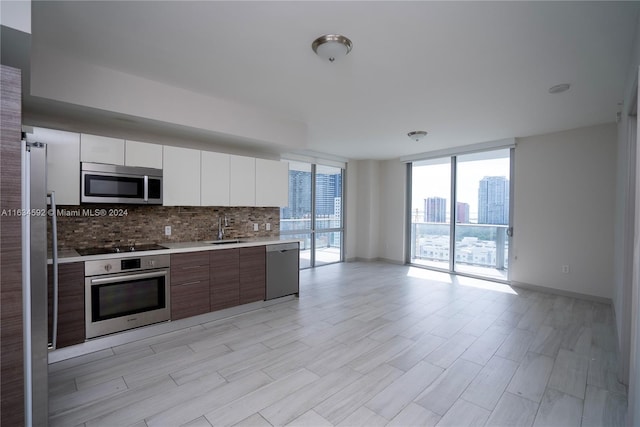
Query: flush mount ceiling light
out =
(559, 88)
(417, 135)
(331, 46)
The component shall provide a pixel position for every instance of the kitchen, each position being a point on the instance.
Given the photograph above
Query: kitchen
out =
(122, 257)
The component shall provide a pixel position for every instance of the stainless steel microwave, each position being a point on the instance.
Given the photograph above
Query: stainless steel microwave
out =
(101, 183)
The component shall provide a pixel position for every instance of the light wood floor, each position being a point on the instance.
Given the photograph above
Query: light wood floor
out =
(365, 344)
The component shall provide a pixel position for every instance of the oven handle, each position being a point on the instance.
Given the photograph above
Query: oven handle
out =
(107, 280)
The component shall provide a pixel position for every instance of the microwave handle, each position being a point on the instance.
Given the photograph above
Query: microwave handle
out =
(116, 279)
(146, 188)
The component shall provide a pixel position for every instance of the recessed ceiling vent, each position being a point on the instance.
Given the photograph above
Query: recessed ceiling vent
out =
(559, 88)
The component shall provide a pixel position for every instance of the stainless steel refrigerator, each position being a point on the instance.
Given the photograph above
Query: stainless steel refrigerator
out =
(35, 215)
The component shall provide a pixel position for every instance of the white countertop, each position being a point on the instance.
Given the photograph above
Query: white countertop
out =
(70, 255)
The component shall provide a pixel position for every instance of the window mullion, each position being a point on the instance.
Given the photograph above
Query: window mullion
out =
(452, 215)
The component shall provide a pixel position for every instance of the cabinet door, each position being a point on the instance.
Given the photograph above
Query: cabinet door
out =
(63, 163)
(189, 284)
(142, 154)
(242, 185)
(101, 149)
(71, 325)
(181, 176)
(224, 278)
(272, 183)
(189, 267)
(214, 179)
(252, 274)
(189, 299)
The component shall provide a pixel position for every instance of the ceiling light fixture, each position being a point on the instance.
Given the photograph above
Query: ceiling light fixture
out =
(417, 135)
(559, 88)
(331, 46)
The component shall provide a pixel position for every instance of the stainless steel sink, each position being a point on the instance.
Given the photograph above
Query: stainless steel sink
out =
(226, 242)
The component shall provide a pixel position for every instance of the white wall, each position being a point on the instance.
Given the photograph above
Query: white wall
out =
(59, 77)
(376, 197)
(367, 223)
(16, 14)
(564, 210)
(393, 191)
(351, 212)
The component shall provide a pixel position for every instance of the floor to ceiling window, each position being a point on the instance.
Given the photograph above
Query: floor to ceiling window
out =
(315, 212)
(460, 213)
(431, 213)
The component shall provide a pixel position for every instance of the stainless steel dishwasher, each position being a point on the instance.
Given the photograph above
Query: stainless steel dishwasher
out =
(283, 268)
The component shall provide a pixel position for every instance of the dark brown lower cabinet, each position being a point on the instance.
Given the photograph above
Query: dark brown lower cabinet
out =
(224, 278)
(189, 284)
(252, 274)
(71, 325)
(213, 280)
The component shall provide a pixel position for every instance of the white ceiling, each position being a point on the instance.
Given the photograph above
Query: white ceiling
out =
(466, 72)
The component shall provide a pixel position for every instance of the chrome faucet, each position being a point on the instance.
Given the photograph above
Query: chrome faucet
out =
(221, 227)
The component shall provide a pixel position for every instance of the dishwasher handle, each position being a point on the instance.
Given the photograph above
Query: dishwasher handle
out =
(283, 247)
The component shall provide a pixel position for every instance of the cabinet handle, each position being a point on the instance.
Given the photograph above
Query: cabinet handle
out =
(189, 283)
(189, 267)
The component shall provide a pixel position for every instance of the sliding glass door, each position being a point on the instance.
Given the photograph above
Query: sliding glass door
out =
(328, 215)
(295, 219)
(314, 214)
(460, 213)
(482, 214)
(431, 213)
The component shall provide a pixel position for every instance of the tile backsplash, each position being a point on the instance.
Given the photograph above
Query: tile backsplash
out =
(101, 225)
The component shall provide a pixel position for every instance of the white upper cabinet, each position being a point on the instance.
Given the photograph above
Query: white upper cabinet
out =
(101, 149)
(272, 183)
(242, 181)
(63, 163)
(214, 179)
(142, 154)
(181, 176)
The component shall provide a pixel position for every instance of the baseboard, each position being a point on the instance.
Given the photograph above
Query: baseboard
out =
(391, 261)
(378, 259)
(561, 292)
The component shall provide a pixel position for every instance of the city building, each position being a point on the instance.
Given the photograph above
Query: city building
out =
(435, 209)
(462, 213)
(328, 187)
(299, 191)
(493, 200)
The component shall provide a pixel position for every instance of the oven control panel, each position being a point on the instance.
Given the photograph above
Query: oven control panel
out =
(125, 264)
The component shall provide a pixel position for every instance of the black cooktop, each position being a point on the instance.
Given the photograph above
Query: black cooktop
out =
(119, 249)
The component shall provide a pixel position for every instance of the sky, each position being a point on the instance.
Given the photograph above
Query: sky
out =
(434, 178)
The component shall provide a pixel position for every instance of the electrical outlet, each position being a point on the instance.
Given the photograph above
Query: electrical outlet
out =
(167, 230)
(565, 268)
(255, 227)
(268, 226)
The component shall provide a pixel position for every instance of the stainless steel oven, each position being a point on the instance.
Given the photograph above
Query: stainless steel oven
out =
(120, 184)
(125, 293)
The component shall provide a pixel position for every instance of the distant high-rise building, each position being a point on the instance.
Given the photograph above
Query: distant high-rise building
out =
(435, 209)
(337, 206)
(493, 200)
(328, 195)
(299, 195)
(328, 187)
(462, 213)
